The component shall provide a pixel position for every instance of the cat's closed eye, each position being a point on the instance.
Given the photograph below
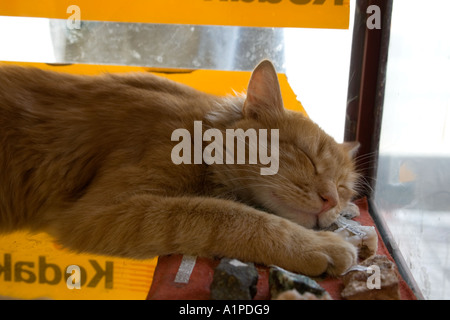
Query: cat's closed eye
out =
(309, 160)
(345, 191)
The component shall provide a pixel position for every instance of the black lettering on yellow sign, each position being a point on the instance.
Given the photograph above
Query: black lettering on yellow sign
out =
(50, 273)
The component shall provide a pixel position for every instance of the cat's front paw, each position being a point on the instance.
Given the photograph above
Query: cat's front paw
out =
(330, 254)
(350, 211)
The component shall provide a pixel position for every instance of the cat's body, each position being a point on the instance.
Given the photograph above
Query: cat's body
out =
(88, 160)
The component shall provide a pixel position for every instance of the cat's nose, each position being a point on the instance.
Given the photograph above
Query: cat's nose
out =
(329, 201)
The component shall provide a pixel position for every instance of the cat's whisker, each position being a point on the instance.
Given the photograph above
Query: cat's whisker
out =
(363, 186)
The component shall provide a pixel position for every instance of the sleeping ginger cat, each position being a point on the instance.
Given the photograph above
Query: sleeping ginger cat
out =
(88, 160)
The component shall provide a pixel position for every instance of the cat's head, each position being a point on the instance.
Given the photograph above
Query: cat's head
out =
(316, 175)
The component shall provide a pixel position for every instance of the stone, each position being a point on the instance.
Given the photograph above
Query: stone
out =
(295, 295)
(282, 281)
(234, 280)
(374, 279)
(364, 238)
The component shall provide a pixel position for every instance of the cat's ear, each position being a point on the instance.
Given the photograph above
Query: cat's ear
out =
(263, 93)
(351, 148)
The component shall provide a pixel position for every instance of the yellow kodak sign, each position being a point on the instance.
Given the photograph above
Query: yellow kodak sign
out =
(332, 14)
(32, 266)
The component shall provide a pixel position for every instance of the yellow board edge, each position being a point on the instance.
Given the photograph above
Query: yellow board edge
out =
(330, 14)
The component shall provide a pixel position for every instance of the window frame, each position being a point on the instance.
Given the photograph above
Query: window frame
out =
(365, 102)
